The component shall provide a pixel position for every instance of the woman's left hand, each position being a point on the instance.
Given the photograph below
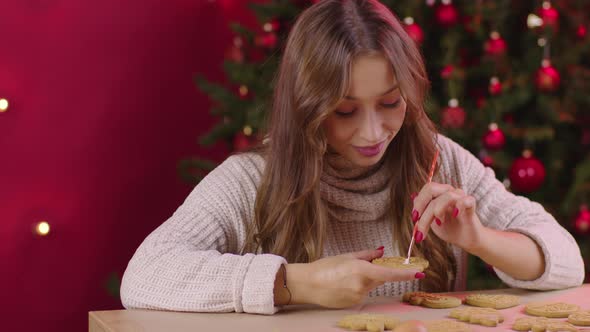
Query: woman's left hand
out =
(450, 213)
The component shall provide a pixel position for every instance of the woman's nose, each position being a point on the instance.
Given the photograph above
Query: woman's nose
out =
(371, 128)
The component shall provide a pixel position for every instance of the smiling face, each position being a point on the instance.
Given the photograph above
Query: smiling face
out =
(370, 116)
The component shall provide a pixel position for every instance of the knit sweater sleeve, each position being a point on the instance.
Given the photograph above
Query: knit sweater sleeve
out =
(500, 209)
(192, 263)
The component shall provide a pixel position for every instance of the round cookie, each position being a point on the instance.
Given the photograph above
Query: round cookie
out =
(480, 316)
(554, 327)
(397, 262)
(429, 300)
(446, 325)
(368, 322)
(526, 323)
(496, 301)
(551, 310)
(407, 296)
(580, 318)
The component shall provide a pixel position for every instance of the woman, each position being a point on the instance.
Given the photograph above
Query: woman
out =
(348, 145)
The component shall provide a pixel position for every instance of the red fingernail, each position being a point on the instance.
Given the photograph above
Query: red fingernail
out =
(420, 275)
(438, 222)
(455, 212)
(419, 236)
(415, 216)
(413, 196)
(380, 248)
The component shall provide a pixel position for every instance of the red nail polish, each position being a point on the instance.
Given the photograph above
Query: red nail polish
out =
(415, 216)
(413, 196)
(455, 212)
(380, 248)
(420, 275)
(437, 221)
(419, 236)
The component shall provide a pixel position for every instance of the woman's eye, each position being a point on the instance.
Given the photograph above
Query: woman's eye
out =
(344, 114)
(392, 105)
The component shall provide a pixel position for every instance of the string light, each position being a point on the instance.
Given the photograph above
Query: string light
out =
(42, 228)
(247, 130)
(534, 21)
(3, 105)
(243, 90)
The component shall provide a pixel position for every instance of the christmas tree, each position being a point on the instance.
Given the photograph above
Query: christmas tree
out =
(510, 82)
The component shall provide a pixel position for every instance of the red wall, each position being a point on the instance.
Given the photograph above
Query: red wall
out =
(102, 107)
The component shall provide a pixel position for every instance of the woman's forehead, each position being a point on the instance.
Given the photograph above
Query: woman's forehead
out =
(371, 77)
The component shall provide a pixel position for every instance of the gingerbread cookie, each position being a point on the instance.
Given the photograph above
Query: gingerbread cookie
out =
(496, 301)
(446, 325)
(580, 318)
(480, 316)
(430, 300)
(397, 262)
(368, 322)
(551, 310)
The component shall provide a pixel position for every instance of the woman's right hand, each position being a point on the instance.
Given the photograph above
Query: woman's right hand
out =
(341, 281)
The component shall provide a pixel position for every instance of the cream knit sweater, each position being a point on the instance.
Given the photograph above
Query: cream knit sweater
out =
(189, 263)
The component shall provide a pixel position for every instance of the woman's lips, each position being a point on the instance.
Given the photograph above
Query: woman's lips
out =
(370, 151)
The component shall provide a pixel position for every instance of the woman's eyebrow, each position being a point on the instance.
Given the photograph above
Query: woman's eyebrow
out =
(383, 94)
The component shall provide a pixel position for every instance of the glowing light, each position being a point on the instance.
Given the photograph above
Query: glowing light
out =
(3, 105)
(42, 228)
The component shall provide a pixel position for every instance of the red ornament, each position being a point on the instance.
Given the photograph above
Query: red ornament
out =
(547, 78)
(271, 26)
(453, 116)
(581, 31)
(266, 40)
(447, 72)
(495, 87)
(549, 15)
(446, 14)
(496, 45)
(414, 30)
(527, 173)
(582, 221)
(234, 54)
(242, 142)
(494, 139)
(486, 159)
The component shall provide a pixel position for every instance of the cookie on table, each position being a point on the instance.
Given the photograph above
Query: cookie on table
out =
(368, 322)
(580, 318)
(553, 326)
(446, 325)
(496, 301)
(526, 323)
(397, 262)
(430, 300)
(551, 310)
(481, 316)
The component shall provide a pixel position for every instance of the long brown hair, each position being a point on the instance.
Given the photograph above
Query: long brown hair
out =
(290, 219)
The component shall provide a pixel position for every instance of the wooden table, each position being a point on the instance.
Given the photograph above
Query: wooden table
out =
(306, 318)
